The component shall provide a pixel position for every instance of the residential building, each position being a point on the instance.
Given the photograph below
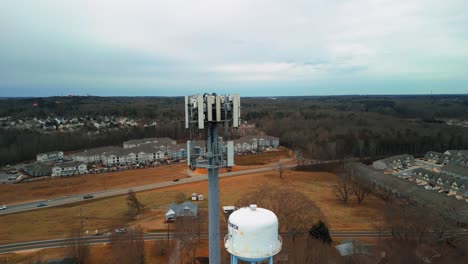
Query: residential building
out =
(459, 153)
(94, 155)
(69, 168)
(183, 209)
(38, 169)
(394, 163)
(441, 157)
(49, 156)
(125, 156)
(255, 143)
(138, 142)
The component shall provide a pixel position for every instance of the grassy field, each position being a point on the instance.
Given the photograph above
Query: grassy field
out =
(262, 158)
(88, 183)
(46, 189)
(108, 213)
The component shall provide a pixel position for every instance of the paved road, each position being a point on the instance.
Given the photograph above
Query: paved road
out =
(120, 191)
(104, 239)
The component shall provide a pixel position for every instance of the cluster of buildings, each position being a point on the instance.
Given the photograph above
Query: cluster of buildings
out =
(149, 150)
(138, 152)
(457, 157)
(54, 164)
(63, 124)
(451, 179)
(461, 123)
(450, 176)
(394, 163)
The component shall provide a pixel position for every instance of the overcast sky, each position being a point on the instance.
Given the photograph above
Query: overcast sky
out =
(178, 47)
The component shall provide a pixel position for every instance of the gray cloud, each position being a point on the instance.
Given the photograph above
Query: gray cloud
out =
(183, 46)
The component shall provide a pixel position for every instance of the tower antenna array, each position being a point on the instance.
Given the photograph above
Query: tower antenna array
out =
(205, 113)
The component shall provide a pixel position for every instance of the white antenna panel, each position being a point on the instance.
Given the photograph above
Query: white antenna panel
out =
(235, 110)
(218, 108)
(188, 153)
(201, 112)
(209, 107)
(186, 112)
(230, 153)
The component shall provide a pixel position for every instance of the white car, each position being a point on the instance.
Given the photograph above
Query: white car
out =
(3, 207)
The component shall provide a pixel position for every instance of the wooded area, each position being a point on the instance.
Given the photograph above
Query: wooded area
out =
(321, 128)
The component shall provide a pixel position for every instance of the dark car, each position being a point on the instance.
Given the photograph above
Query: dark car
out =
(41, 205)
(88, 196)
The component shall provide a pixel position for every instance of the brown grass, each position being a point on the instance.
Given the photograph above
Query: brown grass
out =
(318, 186)
(33, 191)
(262, 158)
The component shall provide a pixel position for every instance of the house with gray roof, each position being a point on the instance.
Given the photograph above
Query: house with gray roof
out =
(69, 168)
(458, 186)
(49, 156)
(462, 161)
(178, 151)
(125, 156)
(138, 142)
(94, 155)
(183, 209)
(393, 163)
(255, 143)
(459, 153)
(38, 169)
(441, 157)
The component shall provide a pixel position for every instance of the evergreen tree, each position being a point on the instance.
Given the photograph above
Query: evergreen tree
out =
(320, 231)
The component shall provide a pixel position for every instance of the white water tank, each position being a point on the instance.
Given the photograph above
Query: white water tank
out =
(253, 234)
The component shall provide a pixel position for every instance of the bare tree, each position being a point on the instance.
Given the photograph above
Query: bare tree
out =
(360, 191)
(294, 210)
(78, 249)
(280, 168)
(386, 195)
(133, 203)
(187, 232)
(128, 247)
(343, 189)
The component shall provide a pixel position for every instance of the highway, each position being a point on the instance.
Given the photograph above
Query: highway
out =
(104, 239)
(57, 201)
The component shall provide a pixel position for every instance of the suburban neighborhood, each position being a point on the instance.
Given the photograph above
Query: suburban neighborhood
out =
(446, 173)
(137, 153)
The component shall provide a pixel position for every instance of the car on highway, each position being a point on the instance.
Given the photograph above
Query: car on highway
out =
(41, 205)
(3, 207)
(88, 196)
(120, 230)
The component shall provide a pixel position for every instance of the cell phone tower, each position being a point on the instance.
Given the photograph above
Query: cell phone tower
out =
(206, 113)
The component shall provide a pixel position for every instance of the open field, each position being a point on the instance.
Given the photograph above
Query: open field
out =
(46, 189)
(262, 158)
(107, 213)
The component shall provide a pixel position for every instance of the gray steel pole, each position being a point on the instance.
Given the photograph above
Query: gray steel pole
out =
(213, 193)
